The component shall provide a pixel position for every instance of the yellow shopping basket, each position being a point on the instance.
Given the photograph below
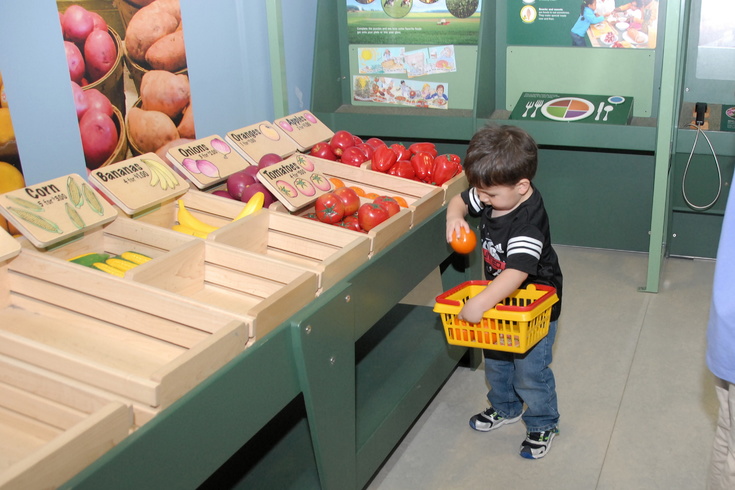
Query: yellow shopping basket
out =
(515, 325)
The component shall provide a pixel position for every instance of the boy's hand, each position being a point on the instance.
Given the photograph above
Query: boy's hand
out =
(472, 311)
(456, 211)
(454, 226)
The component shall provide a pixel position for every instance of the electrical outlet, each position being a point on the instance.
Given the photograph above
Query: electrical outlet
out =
(700, 115)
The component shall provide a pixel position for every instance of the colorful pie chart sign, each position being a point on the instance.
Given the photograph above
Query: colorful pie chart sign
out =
(567, 109)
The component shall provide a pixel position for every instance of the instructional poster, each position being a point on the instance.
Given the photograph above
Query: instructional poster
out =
(580, 23)
(402, 22)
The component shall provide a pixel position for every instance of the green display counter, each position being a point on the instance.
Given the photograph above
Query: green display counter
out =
(357, 365)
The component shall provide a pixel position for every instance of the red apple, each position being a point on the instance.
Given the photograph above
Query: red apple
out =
(340, 141)
(323, 150)
(375, 143)
(353, 156)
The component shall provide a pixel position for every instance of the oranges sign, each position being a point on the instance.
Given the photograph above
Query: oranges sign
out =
(465, 242)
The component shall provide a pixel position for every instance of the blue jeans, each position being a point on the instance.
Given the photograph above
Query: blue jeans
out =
(518, 378)
(578, 41)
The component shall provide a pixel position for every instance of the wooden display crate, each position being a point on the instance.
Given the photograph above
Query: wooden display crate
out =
(252, 287)
(423, 199)
(380, 237)
(51, 430)
(208, 208)
(222, 278)
(450, 188)
(130, 339)
(330, 252)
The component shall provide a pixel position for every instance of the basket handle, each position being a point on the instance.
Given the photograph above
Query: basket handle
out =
(443, 298)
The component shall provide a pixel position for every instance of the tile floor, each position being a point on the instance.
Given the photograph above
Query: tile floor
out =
(636, 398)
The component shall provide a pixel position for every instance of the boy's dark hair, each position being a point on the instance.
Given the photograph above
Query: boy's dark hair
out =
(500, 155)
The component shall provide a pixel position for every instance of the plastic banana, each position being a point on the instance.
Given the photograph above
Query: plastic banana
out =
(189, 231)
(255, 203)
(189, 220)
(135, 257)
(109, 269)
(121, 264)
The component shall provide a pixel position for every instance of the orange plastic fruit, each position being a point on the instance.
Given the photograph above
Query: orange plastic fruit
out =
(360, 192)
(337, 183)
(401, 202)
(465, 243)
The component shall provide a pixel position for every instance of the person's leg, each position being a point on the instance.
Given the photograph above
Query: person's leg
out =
(722, 465)
(535, 384)
(505, 406)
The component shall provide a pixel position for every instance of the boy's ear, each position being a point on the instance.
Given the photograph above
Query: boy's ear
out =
(523, 186)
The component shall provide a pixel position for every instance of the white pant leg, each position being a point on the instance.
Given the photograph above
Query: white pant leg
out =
(722, 466)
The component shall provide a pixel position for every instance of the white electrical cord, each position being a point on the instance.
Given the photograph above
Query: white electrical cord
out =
(686, 169)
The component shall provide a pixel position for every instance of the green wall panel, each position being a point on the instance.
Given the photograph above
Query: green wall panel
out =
(626, 72)
(597, 199)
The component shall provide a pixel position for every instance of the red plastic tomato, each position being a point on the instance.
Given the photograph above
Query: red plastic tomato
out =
(465, 242)
(371, 215)
(389, 204)
(329, 208)
(350, 222)
(349, 198)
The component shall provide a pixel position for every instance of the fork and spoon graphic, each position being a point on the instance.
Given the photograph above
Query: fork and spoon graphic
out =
(533, 105)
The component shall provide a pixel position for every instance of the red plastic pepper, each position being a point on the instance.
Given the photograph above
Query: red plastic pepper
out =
(403, 168)
(445, 167)
(401, 151)
(423, 165)
(383, 159)
(425, 147)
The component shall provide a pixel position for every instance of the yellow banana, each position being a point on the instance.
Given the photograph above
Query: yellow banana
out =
(109, 269)
(121, 264)
(254, 204)
(189, 231)
(135, 257)
(187, 219)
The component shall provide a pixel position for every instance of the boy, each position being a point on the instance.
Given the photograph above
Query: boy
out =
(501, 161)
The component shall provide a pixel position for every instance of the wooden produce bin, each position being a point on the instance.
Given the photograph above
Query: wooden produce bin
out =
(50, 430)
(423, 199)
(221, 278)
(330, 252)
(450, 188)
(130, 339)
(380, 237)
(208, 208)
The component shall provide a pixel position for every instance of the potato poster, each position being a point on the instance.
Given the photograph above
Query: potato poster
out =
(413, 21)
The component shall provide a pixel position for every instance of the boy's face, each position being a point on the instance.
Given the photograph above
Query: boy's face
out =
(503, 197)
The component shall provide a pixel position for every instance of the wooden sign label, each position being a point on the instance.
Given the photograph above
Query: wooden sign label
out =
(56, 210)
(206, 161)
(295, 181)
(138, 183)
(304, 129)
(256, 140)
